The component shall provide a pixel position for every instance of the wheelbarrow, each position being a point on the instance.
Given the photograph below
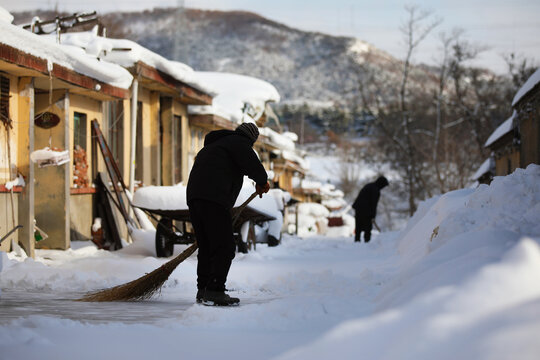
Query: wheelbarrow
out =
(168, 234)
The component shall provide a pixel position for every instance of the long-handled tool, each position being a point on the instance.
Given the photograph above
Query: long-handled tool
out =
(376, 226)
(146, 286)
(10, 232)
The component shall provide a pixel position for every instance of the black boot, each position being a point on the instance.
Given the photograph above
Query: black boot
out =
(216, 298)
(199, 296)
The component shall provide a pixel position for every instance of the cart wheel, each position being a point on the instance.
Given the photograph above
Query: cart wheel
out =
(164, 238)
(240, 245)
(272, 241)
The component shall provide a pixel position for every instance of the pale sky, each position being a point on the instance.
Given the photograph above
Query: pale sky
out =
(504, 26)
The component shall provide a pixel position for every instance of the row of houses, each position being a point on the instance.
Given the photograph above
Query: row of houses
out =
(154, 114)
(516, 142)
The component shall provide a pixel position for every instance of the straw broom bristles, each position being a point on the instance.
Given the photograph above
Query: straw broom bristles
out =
(146, 286)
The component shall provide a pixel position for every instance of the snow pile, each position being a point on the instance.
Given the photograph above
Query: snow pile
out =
(47, 157)
(237, 96)
(489, 316)
(513, 202)
(312, 219)
(161, 197)
(68, 56)
(127, 53)
(531, 82)
(175, 198)
(345, 230)
(466, 286)
(267, 204)
(18, 181)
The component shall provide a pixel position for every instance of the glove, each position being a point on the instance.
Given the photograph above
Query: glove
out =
(262, 189)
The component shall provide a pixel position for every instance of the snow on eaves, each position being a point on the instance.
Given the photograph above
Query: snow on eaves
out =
(283, 141)
(487, 165)
(236, 96)
(5, 16)
(67, 56)
(531, 82)
(127, 53)
(502, 130)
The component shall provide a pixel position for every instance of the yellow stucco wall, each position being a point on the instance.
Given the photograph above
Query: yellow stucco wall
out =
(13, 133)
(8, 166)
(52, 182)
(7, 220)
(81, 216)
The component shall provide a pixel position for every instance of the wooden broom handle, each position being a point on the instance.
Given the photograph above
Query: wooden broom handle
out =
(243, 206)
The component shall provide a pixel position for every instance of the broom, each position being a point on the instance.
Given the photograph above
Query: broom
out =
(146, 286)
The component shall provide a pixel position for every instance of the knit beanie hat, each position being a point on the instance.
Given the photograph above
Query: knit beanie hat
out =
(381, 182)
(250, 130)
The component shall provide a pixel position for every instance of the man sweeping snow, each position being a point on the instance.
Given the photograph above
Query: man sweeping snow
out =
(213, 186)
(365, 207)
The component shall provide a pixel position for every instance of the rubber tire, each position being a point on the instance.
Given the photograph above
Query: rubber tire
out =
(272, 241)
(164, 242)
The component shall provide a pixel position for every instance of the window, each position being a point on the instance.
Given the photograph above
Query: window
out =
(80, 163)
(4, 100)
(79, 130)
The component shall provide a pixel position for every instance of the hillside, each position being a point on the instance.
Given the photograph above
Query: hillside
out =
(304, 66)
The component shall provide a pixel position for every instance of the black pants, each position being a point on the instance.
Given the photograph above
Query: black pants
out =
(363, 224)
(213, 230)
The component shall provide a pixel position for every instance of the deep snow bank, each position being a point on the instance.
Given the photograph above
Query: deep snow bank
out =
(467, 286)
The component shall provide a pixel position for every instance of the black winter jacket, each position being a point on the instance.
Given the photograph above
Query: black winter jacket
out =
(218, 172)
(365, 204)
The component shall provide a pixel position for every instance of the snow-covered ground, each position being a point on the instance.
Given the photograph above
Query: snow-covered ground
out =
(460, 281)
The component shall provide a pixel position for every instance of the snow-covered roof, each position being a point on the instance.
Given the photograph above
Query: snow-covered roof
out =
(5, 16)
(127, 53)
(234, 93)
(67, 56)
(502, 130)
(531, 82)
(487, 165)
(282, 141)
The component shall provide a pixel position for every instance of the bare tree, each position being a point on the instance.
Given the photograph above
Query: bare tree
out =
(418, 25)
(440, 145)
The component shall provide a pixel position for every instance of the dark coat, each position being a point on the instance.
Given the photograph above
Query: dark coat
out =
(365, 204)
(218, 172)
